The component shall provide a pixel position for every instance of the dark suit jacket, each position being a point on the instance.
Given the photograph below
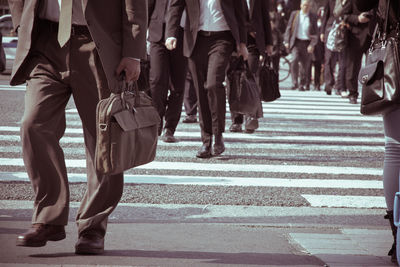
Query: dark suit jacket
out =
(290, 33)
(234, 12)
(157, 13)
(259, 22)
(328, 18)
(359, 32)
(118, 29)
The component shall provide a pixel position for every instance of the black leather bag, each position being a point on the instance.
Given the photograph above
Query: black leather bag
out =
(268, 81)
(243, 91)
(380, 78)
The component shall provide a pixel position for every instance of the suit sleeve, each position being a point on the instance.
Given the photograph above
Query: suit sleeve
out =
(267, 22)
(314, 31)
(325, 18)
(16, 8)
(240, 7)
(174, 15)
(152, 4)
(286, 36)
(134, 28)
(364, 5)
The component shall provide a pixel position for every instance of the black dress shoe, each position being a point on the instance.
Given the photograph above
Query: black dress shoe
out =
(353, 100)
(90, 242)
(168, 136)
(204, 152)
(190, 119)
(301, 88)
(328, 90)
(39, 234)
(219, 146)
(235, 128)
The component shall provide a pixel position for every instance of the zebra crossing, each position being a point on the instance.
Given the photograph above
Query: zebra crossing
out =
(306, 140)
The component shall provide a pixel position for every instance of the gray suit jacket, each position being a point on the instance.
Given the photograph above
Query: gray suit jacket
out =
(292, 28)
(117, 27)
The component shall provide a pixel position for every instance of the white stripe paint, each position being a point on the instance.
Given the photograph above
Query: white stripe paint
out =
(12, 88)
(181, 128)
(219, 181)
(235, 145)
(242, 136)
(333, 201)
(193, 166)
(289, 106)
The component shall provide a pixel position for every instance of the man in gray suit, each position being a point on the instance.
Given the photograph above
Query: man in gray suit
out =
(79, 48)
(301, 36)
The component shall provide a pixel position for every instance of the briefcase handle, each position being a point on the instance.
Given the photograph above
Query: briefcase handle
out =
(129, 89)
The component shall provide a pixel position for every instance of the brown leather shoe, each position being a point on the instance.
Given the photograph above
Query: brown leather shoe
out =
(168, 136)
(204, 152)
(219, 146)
(90, 242)
(39, 234)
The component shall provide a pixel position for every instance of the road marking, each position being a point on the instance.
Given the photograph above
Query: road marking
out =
(193, 166)
(218, 181)
(334, 201)
(12, 88)
(241, 136)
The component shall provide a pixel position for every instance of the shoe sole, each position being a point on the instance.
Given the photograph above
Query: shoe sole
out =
(56, 237)
(206, 156)
(219, 152)
(88, 251)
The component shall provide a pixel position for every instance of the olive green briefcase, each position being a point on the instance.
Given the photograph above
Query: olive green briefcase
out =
(127, 132)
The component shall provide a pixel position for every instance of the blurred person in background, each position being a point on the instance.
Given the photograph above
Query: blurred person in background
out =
(167, 71)
(359, 39)
(259, 43)
(301, 37)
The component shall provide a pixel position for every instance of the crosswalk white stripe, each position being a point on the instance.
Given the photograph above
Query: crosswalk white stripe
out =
(194, 166)
(12, 88)
(219, 181)
(334, 201)
(306, 131)
(235, 145)
(242, 136)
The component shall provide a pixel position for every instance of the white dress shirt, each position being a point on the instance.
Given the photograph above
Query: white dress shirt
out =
(211, 16)
(51, 11)
(303, 29)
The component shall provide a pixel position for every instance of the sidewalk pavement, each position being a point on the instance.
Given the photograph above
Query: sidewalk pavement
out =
(193, 235)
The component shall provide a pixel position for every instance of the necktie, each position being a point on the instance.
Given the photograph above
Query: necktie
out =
(64, 24)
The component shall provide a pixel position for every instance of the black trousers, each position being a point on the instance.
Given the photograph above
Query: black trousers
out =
(329, 71)
(208, 65)
(190, 98)
(167, 81)
(354, 53)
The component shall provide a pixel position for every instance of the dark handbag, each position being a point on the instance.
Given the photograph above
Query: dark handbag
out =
(337, 37)
(380, 78)
(268, 81)
(243, 91)
(127, 134)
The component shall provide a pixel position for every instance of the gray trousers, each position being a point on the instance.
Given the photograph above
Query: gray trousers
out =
(56, 74)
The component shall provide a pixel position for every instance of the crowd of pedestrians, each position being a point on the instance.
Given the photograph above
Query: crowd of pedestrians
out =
(191, 43)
